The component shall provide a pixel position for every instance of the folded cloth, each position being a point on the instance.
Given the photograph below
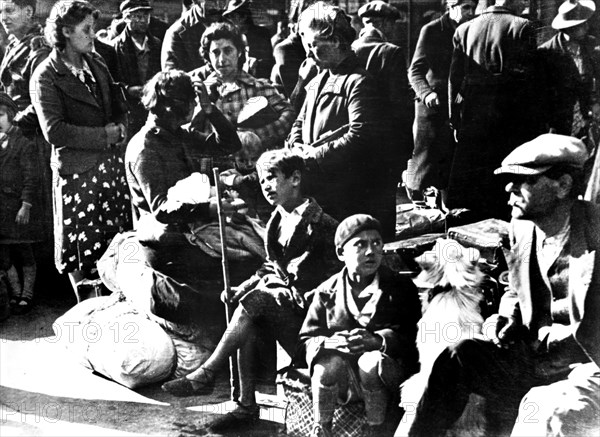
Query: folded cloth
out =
(245, 239)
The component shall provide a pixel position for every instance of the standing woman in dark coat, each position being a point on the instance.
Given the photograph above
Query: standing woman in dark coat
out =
(346, 173)
(82, 117)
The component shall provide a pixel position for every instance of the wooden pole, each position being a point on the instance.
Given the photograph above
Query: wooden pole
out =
(233, 371)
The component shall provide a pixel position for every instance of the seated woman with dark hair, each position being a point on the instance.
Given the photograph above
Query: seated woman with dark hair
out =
(165, 192)
(245, 100)
(155, 273)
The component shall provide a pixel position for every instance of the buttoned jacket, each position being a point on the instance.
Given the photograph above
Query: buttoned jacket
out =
(309, 257)
(395, 317)
(181, 46)
(71, 118)
(584, 283)
(430, 66)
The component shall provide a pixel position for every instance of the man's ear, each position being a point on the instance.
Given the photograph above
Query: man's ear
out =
(28, 11)
(296, 178)
(339, 251)
(564, 186)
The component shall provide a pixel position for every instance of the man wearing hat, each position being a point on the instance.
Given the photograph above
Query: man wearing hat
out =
(138, 57)
(572, 56)
(547, 332)
(359, 335)
(156, 27)
(493, 97)
(258, 38)
(181, 46)
(428, 77)
(386, 63)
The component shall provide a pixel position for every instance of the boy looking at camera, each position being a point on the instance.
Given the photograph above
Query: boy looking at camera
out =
(359, 334)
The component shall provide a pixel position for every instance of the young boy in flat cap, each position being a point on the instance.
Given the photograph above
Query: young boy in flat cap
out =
(359, 335)
(547, 333)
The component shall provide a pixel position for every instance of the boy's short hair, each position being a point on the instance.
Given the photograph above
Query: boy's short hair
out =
(251, 143)
(283, 160)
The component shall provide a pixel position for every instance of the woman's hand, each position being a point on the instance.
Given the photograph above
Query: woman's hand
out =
(23, 214)
(203, 97)
(213, 82)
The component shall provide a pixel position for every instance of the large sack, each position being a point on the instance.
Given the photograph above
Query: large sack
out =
(108, 335)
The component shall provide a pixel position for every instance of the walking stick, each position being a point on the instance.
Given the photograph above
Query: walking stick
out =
(233, 371)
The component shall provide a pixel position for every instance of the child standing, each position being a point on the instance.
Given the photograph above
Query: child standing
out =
(19, 226)
(242, 180)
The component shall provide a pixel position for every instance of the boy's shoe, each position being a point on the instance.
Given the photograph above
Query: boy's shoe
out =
(183, 387)
(241, 418)
(22, 306)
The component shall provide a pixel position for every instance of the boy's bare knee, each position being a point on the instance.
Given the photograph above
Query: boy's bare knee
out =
(369, 362)
(328, 369)
(368, 366)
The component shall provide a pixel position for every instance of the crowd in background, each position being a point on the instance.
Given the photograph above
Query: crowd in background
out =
(104, 131)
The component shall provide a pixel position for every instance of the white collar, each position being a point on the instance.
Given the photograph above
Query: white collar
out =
(298, 211)
(143, 47)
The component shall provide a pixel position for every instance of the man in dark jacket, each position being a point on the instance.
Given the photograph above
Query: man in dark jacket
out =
(428, 76)
(359, 335)
(181, 46)
(386, 63)
(348, 171)
(138, 58)
(289, 55)
(258, 38)
(572, 65)
(548, 327)
(492, 98)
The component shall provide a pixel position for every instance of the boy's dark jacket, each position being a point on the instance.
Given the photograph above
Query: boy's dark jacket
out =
(395, 319)
(308, 259)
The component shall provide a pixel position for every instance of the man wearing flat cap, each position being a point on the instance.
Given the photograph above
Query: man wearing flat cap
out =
(138, 57)
(545, 342)
(358, 338)
(571, 56)
(386, 63)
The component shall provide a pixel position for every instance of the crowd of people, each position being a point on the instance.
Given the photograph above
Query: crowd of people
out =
(104, 135)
